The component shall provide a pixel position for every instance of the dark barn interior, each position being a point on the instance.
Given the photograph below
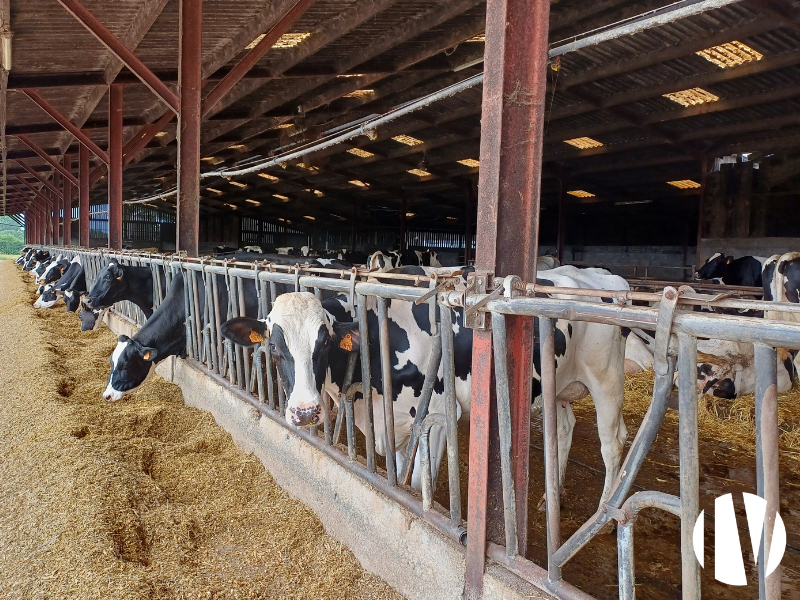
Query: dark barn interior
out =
(643, 132)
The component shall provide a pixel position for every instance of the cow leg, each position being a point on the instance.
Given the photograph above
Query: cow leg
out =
(610, 428)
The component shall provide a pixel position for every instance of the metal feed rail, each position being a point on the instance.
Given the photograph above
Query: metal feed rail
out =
(256, 381)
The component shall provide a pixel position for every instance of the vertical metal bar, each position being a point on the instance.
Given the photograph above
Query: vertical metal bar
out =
(190, 86)
(217, 322)
(245, 351)
(550, 434)
(366, 380)
(451, 411)
(689, 463)
(767, 462)
(504, 426)
(115, 166)
(388, 396)
(625, 562)
(563, 183)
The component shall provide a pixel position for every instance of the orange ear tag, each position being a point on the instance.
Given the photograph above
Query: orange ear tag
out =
(347, 343)
(256, 337)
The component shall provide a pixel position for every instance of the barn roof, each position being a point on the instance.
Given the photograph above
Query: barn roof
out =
(344, 60)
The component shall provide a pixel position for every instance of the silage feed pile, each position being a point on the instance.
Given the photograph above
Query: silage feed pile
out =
(142, 499)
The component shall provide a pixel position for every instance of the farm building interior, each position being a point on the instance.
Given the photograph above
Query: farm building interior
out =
(668, 131)
(642, 129)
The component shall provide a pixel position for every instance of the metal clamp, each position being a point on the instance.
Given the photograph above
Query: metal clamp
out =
(666, 312)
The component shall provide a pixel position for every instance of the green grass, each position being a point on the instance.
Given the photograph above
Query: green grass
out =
(9, 256)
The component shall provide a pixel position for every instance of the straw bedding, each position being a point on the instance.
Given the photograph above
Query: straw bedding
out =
(731, 422)
(142, 499)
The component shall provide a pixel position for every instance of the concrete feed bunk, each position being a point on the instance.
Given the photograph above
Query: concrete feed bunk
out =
(145, 498)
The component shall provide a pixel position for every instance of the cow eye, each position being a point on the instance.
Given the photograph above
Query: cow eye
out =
(273, 347)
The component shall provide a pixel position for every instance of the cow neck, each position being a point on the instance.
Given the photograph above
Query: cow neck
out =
(166, 329)
(140, 286)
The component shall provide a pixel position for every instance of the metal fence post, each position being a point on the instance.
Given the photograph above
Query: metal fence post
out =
(767, 462)
(689, 462)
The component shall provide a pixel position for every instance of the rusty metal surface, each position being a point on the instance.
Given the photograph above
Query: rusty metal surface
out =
(115, 101)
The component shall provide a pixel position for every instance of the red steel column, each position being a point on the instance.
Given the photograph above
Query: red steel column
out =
(83, 202)
(115, 167)
(512, 123)
(68, 189)
(57, 203)
(190, 83)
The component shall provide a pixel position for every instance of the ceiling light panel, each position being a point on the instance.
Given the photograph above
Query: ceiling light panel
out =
(692, 97)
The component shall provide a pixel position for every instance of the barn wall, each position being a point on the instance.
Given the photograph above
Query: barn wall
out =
(389, 541)
(737, 247)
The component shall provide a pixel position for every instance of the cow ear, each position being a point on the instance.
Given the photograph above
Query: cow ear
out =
(729, 260)
(244, 331)
(346, 336)
(149, 354)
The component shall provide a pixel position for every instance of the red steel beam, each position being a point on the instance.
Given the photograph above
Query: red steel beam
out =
(512, 125)
(115, 167)
(66, 220)
(138, 142)
(46, 183)
(39, 194)
(190, 116)
(137, 67)
(252, 57)
(135, 145)
(83, 200)
(49, 159)
(65, 123)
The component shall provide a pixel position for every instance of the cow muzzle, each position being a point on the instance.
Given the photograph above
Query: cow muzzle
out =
(304, 415)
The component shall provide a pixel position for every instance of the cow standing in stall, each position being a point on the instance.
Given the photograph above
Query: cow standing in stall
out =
(310, 342)
(727, 270)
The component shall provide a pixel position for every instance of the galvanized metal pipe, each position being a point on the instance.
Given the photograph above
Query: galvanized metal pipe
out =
(767, 463)
(689, 463)
(366, 380)
(388, 396)
(504, 430)
(451, 412)
(550, 434)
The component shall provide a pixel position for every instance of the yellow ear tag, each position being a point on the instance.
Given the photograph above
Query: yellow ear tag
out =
(146, 355)
(256, 337)
(347, 343)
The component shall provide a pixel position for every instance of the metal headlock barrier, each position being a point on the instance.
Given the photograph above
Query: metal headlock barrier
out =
(207, 285)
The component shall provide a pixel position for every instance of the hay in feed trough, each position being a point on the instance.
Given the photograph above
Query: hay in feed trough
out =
(141, 499)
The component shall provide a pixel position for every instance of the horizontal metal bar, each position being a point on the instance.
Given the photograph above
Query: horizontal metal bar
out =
(668, 14)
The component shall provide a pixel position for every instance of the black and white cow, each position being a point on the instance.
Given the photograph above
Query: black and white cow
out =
(38, 256)
(310, 341)
(745, 270)
(116, 282)
(54, 270)
(73, 288)
(24, 255)
(419, 258)
(163, 335)
(39, 268)
(51, 291)
(382, 262)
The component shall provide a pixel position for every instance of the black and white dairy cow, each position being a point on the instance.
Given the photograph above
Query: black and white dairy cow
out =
(310, 341)
(727, 270)
(55, 270)
(51, 291)
(24, 255)
(38, 256)
(116, 282)
(162, 335)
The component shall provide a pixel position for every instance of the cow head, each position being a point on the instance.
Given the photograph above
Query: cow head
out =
(54, 273)
(72, 298)
(48, 298)
(108, 287)
(131, 365)
(90, 317)
(301, 336)
(714, 267)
